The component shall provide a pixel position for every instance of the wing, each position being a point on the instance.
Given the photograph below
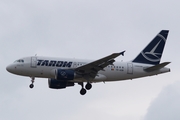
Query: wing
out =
(90, 70)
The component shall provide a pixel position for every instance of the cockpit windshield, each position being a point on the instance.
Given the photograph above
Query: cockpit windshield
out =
(19, 61)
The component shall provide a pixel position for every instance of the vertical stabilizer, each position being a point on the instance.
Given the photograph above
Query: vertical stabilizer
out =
(152, 53)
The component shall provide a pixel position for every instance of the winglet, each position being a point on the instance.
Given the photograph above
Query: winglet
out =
(122, 53)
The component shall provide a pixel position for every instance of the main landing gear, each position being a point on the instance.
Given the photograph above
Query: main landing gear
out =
(83, 90)
(32, 80)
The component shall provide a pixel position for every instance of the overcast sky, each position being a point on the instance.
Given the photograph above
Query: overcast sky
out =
(88, 29)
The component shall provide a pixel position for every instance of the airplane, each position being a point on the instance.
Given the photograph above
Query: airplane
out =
(62, 72)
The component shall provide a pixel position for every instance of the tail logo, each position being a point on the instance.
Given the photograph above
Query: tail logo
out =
(152, 52)
(154, 55)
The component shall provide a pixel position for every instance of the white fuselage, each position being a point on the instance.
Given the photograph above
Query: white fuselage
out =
(44, 67)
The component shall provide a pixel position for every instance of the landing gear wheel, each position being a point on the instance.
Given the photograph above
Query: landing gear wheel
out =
(31, 85)
(32, 80)
(88, 86)
(83, 91)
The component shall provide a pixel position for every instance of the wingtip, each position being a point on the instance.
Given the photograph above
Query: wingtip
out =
(122, 53)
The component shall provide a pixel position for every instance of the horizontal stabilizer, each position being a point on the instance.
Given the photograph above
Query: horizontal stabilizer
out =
(156, 67)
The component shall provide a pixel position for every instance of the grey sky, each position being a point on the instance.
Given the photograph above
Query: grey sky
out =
(166, 106)
(87, 29)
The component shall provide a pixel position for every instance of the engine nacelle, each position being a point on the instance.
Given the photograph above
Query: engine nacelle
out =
(63, 74)
(57, 84)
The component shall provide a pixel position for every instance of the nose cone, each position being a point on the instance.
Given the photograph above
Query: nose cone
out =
(9, 68)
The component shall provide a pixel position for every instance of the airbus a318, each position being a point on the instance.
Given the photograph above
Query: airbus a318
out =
(62, 73)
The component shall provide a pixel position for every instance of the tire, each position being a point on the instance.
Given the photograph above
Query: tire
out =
(83, 91)
(31, 86)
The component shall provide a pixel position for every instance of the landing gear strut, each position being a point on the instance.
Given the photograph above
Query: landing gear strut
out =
(83, 90)
(32, 80)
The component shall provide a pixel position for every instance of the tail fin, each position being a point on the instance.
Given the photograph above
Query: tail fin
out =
(152, 53)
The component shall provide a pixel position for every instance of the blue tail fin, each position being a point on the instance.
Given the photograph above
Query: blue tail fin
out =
(152, 53)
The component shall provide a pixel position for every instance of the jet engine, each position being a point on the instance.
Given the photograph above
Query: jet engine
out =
(57, 84)
(63, 74)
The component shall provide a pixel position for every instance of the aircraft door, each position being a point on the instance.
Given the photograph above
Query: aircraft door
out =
(74, 64)
(129, 68)
(34, 62)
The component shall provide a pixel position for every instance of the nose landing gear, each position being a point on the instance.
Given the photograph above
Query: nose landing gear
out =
(32, 80)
